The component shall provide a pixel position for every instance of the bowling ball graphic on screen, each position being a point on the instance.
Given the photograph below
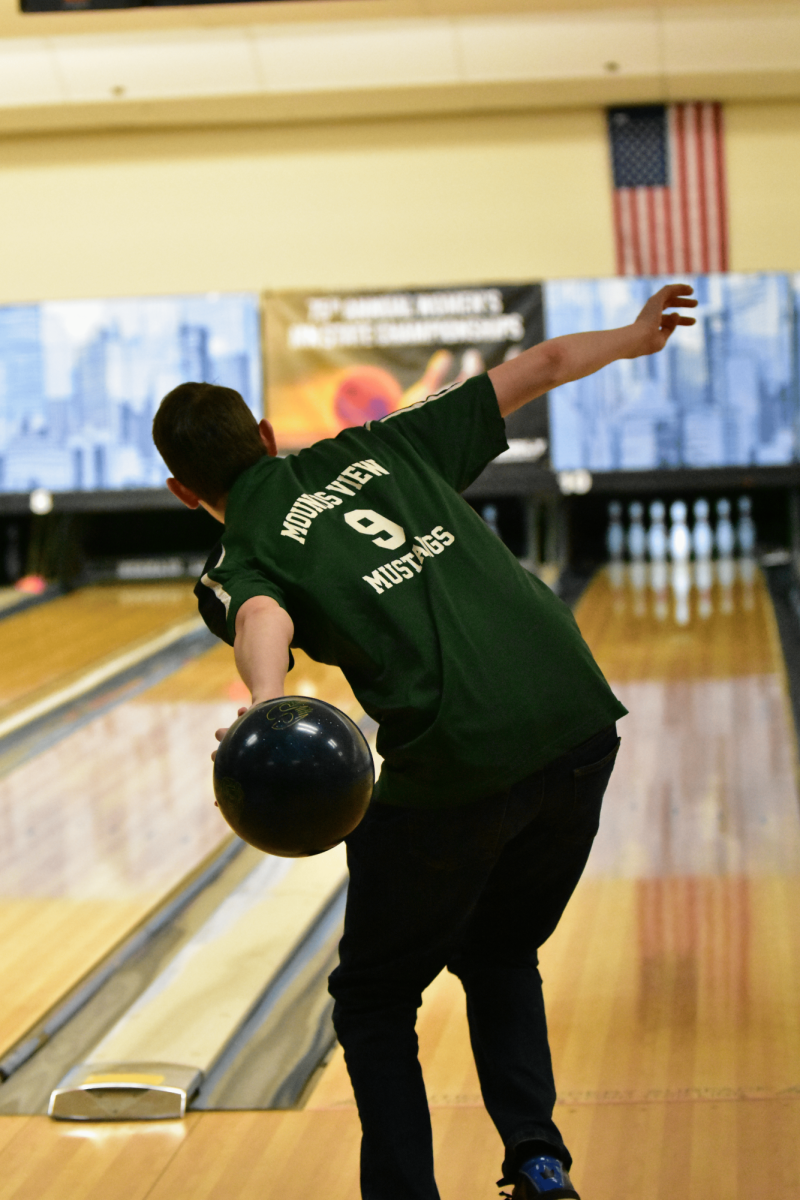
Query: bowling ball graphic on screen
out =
(293, 776)
(365, 393)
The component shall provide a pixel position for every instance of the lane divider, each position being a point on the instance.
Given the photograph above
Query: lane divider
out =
(154, 1059)
(169, 908)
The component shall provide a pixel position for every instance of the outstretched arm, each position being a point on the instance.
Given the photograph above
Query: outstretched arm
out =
(264, 633)
(575, 355)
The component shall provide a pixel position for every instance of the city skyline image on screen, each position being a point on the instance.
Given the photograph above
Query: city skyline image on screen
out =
(722, 393)
(80, 381)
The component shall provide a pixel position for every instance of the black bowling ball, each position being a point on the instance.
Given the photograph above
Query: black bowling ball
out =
(293, 776)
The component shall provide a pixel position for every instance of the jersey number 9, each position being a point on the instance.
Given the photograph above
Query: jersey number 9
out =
(367, 521)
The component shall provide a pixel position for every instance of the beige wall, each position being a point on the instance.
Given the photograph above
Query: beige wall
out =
(381, 204)
(763, 157)
(365, 204)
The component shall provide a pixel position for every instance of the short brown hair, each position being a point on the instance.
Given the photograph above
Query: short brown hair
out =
(207, 436)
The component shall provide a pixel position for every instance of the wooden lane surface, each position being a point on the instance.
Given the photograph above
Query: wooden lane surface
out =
(672, 981)
(652, 1151)
(99, 828)
(10, 598)
(50, 645)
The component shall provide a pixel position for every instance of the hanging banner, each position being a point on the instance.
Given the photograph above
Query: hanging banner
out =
(335, 361)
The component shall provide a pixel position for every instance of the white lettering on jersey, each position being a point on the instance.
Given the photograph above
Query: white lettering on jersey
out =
(358, 477)
(430, 543)
(377, 581)
(290, 531)
(310, 504)
(391, 574)
(338, 486)
(403, 568)
(373, 467)
(303, 511)
(397, 570)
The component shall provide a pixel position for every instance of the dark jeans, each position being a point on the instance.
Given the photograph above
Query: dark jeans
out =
(477, 889)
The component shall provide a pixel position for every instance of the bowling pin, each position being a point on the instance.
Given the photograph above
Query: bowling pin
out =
(704, 580)
(637, 549)
(724, 532)
(657, 549)
(725, 543)
(745, 528)
(680, 549)
(637, 538)
(680, 546)
(703, 547)
(615, 534)
(681, 586)
(702, 535)
(657, 533)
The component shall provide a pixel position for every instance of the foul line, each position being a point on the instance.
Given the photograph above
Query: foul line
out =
(583, 1099)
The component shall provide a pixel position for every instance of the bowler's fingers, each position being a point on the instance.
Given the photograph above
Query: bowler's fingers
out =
(675, 295)
(678, 295)
(671, 321)
(672, 295)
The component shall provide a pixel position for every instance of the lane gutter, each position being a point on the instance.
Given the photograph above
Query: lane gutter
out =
(42, 724)
(38, 726)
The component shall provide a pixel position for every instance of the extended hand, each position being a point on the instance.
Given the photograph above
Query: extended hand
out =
(219, 734)
(653, 327)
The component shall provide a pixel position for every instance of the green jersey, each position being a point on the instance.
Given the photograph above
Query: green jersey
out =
(475, 672)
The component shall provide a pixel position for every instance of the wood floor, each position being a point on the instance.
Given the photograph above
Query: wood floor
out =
(95, 831)
(672, 983)
(46, 646)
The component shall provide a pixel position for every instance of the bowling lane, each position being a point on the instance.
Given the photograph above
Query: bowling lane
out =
(99, 828)
(673, 980)
(48, 646)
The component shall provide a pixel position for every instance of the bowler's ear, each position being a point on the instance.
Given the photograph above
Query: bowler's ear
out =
(267, 435)
(184, 494)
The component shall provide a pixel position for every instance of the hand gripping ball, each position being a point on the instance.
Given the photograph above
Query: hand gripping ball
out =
(293, 776)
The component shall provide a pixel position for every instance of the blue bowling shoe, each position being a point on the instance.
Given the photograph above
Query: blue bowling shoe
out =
(543, 1176)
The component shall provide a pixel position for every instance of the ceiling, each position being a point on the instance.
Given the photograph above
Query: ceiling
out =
(343, 58)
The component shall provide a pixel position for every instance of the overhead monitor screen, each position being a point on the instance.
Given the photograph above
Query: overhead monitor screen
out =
(80, 381)
(722, 393)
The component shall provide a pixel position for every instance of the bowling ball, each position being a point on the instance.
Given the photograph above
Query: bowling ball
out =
(364, 394)
(293, 776)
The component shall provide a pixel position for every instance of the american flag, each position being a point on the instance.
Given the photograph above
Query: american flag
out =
(670, 211)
